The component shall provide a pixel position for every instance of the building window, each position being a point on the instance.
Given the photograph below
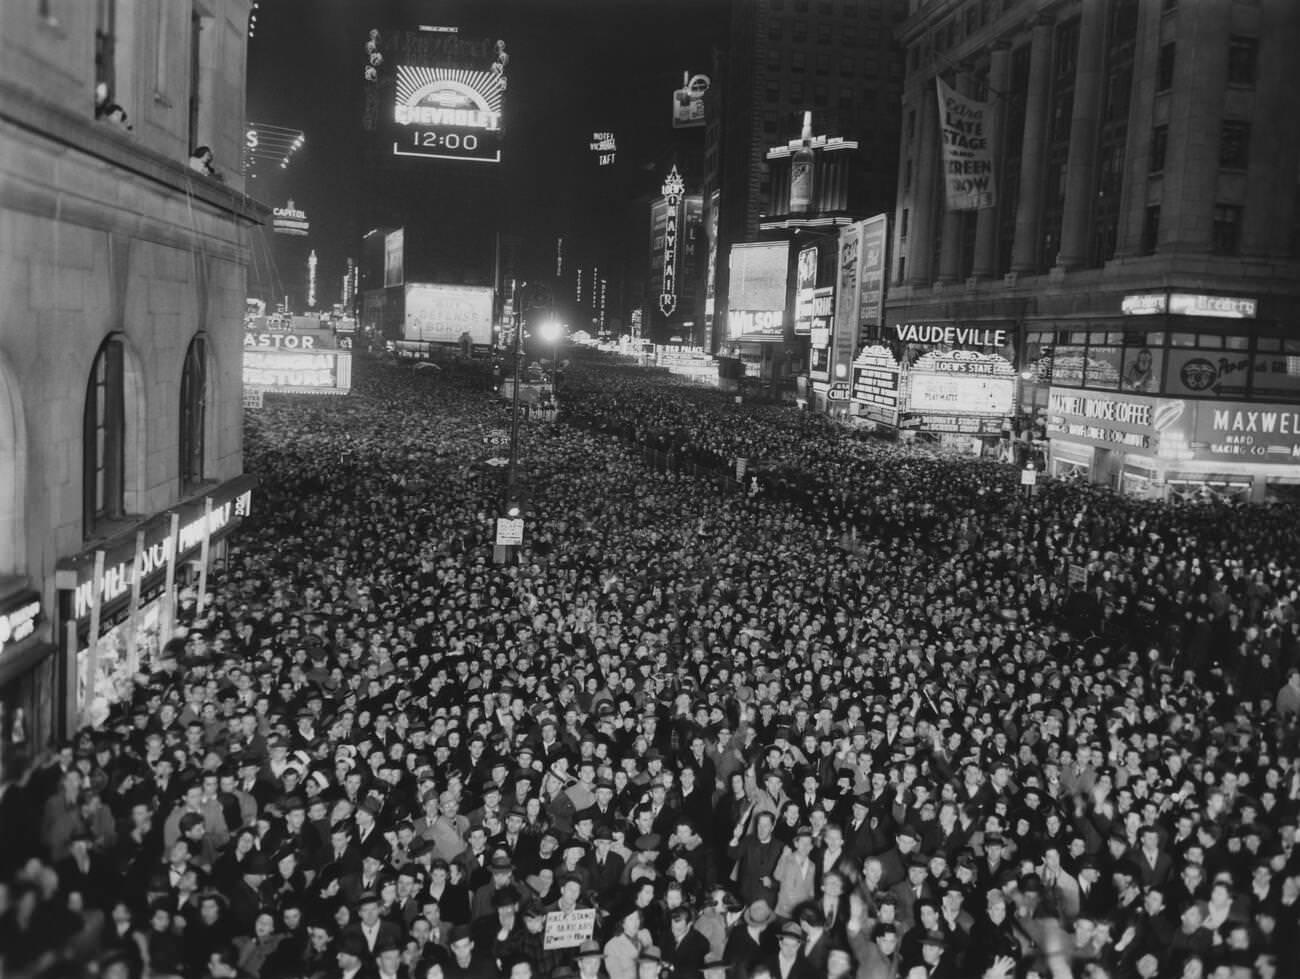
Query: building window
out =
(821, 97)
(194, 407)
(104, 437)
(774, 32)
(1165, 67)
(907, 175)
(902, 228)
(105, 53)
(796, 93)
(1159, 147)
(1151, 229)
(902, 268)
(847, 67)
(911, 123)
(823, 64)
(1234, 145)
(823, 33)
(972, 19)
(800, 31)
(801, 6)
(1227, 229)
(798, 61)
(1243, 52)
(773, 92)
(846, 98)
(196, 76)
(849, 9)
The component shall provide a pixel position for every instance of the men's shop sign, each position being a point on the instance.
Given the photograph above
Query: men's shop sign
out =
(231, 503)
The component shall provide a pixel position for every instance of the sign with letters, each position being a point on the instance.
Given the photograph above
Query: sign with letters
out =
(568, 929)
(20, 614)
(967, 150)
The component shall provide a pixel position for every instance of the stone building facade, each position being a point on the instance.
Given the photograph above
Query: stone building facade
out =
(122, 285)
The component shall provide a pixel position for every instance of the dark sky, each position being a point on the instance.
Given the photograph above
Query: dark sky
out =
(576, 66)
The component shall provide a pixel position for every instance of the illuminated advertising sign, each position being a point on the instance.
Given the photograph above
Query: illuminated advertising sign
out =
(1190, 304)
(756, 297)
(847, 280)
(605, 146)
(298, 372)
(688, 101)
(1105, 420)
(438, 313)
(673, 188)
(289, 220)
(819, 339)
(20, 614)
(394, 257)
(961, 382)
(875, 385)
(301, 340)
(231, 503)
(448, 114)
(805, 286)
(949, 335)
(871, 288)
(1247, 431)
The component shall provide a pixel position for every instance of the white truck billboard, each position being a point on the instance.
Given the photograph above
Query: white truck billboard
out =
(438, 313)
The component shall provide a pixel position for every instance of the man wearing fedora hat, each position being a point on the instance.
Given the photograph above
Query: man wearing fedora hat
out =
(789, 961)
(752, 939)
(591, 961)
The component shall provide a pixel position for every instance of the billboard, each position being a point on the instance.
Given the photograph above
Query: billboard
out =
(688, 101)
(297, 371)
(756, 297)
(438, 313)
(394, 257)
(805, 286)
(872, 273)
(961, 382)
(448, 113)
(848, 270)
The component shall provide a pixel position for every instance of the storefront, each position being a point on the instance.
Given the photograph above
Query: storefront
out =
(117, 601)
(1175, 448)
(28, 679)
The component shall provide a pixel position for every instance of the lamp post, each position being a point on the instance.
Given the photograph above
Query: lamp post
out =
(552, 332)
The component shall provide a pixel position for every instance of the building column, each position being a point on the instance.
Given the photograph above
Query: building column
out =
(953, 221)
(1137, 143)
(1082, 164)
(1191, 174)
(1274, 158)
(986, 220)
(920, 250)
(1029, 207)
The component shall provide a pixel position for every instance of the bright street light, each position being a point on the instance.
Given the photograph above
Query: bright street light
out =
(551, 331)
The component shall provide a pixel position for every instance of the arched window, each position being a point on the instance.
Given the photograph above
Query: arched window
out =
(194, 400)
(104, 437)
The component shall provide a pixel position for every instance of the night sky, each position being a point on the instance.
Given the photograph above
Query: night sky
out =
(575, 66)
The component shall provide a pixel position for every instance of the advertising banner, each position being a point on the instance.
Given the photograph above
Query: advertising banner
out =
(439, 313)
(1207, 373)
(688, 101)
(448, 114)
(875, 234)
(298, 340)
(1249, 432)
(298, 372)
(1107, 420)
(823, 320)
(805, 286)
(875, 385)
(961, 382)
(848, 270)
(967, 150)
(394, 257)
(756, 297)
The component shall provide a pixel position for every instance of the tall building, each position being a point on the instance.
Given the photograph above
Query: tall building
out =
(122, 264)
(1138, 247)
(835, 58)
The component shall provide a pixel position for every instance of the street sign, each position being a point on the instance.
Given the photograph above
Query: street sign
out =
(839, 391)
(497, 461)
(510, 531)
(253, 397)
(496, 438)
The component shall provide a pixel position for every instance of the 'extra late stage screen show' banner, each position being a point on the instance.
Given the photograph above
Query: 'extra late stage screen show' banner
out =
(964, 134)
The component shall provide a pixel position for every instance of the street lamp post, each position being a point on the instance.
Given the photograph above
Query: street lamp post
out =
(552, 331)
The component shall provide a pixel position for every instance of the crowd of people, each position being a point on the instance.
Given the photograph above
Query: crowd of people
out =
(870, 713)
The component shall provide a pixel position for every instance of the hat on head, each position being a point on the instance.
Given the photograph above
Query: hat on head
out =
(647, 843)
(791, 929)
(589, 950)
(459, 933)
(501, 864)
(354, 944)
(758, 914)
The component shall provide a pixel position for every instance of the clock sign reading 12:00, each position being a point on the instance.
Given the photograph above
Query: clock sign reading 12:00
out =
(448, 114)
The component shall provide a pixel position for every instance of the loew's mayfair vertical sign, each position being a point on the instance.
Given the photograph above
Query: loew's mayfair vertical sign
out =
(967, 150)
